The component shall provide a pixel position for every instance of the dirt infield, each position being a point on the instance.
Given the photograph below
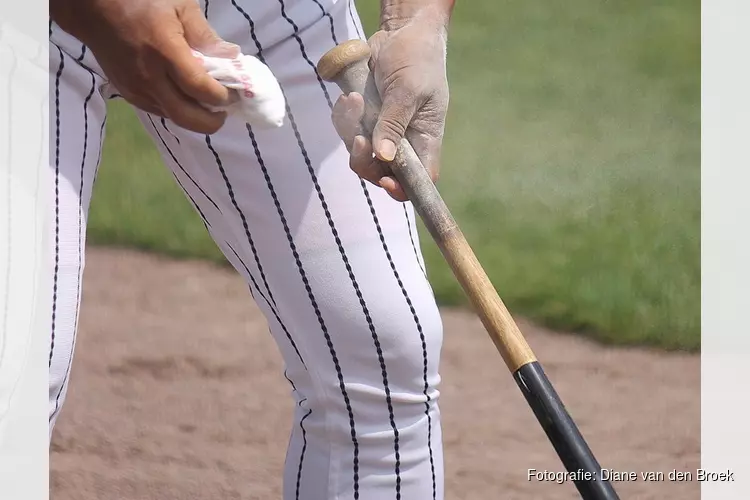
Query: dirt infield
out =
(177, 393)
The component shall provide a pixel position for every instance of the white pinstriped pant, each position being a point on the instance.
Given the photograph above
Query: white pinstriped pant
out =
(333, 262)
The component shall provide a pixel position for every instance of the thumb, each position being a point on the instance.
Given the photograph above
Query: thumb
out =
(201, 36)
(397, 111)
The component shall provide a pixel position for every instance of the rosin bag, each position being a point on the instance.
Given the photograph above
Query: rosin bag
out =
(259, 101)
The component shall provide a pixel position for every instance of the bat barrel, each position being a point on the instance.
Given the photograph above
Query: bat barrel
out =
(566, 439)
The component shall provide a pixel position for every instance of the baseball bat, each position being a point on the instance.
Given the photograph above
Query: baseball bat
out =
(347, 66)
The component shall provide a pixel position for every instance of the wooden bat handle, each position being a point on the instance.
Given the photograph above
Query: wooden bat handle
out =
(347, 66)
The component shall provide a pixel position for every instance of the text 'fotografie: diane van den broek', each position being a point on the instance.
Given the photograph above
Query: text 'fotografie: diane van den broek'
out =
(619, 476)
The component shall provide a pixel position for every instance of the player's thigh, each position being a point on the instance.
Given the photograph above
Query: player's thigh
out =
(23, 258)
(333, 262)
(261, 25)
(350, 286)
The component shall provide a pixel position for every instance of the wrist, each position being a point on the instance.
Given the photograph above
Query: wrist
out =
(395, 14)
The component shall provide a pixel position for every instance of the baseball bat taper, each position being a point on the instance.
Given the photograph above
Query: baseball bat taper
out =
(347, 66)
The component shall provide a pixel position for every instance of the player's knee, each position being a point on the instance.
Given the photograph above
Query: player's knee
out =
(398, 372)
(387, 396)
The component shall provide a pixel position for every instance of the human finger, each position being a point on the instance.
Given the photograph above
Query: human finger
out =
(184, 68)
(346, 116)
(184, 111)
(363, 163)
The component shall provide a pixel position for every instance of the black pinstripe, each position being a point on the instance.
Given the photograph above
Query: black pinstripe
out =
(321, 321)
(80, 231)
(393, 268)
(406, 297)
(208, 225)
(179, 165)
(83, 53)
(304, 439)
(302, 453)
(294, 388)
(406, 215)
(260, 291)
(298, 262)
(413, 245)
(268, 303)
(195, 205)
(330, 20)
(422, 338)
(57, 200)
(101, 147)
(342, 251)
(398, 280)
(245, 225)
(303, 51)
(205, 10)
(192, 200)
(354, 22)
(164, 125)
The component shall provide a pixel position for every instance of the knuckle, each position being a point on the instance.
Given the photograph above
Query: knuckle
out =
(397, 113)
(403, 86)
(196, 80)
(377, 37)
(405, 83)
(392, 126)
(204, 32)
(412, 83)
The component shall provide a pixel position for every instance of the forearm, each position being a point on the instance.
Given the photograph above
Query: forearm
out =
(396, 13)
(59, 11)
(75, 17)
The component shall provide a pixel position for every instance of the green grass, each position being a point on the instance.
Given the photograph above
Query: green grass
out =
(571, 163)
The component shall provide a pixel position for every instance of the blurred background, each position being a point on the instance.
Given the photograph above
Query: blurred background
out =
(571, 162)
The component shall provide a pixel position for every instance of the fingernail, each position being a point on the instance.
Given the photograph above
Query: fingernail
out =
(387, 150)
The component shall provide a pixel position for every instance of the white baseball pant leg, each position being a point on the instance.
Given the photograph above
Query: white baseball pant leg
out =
(332, 261)
(25, 297)
(77, 113)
